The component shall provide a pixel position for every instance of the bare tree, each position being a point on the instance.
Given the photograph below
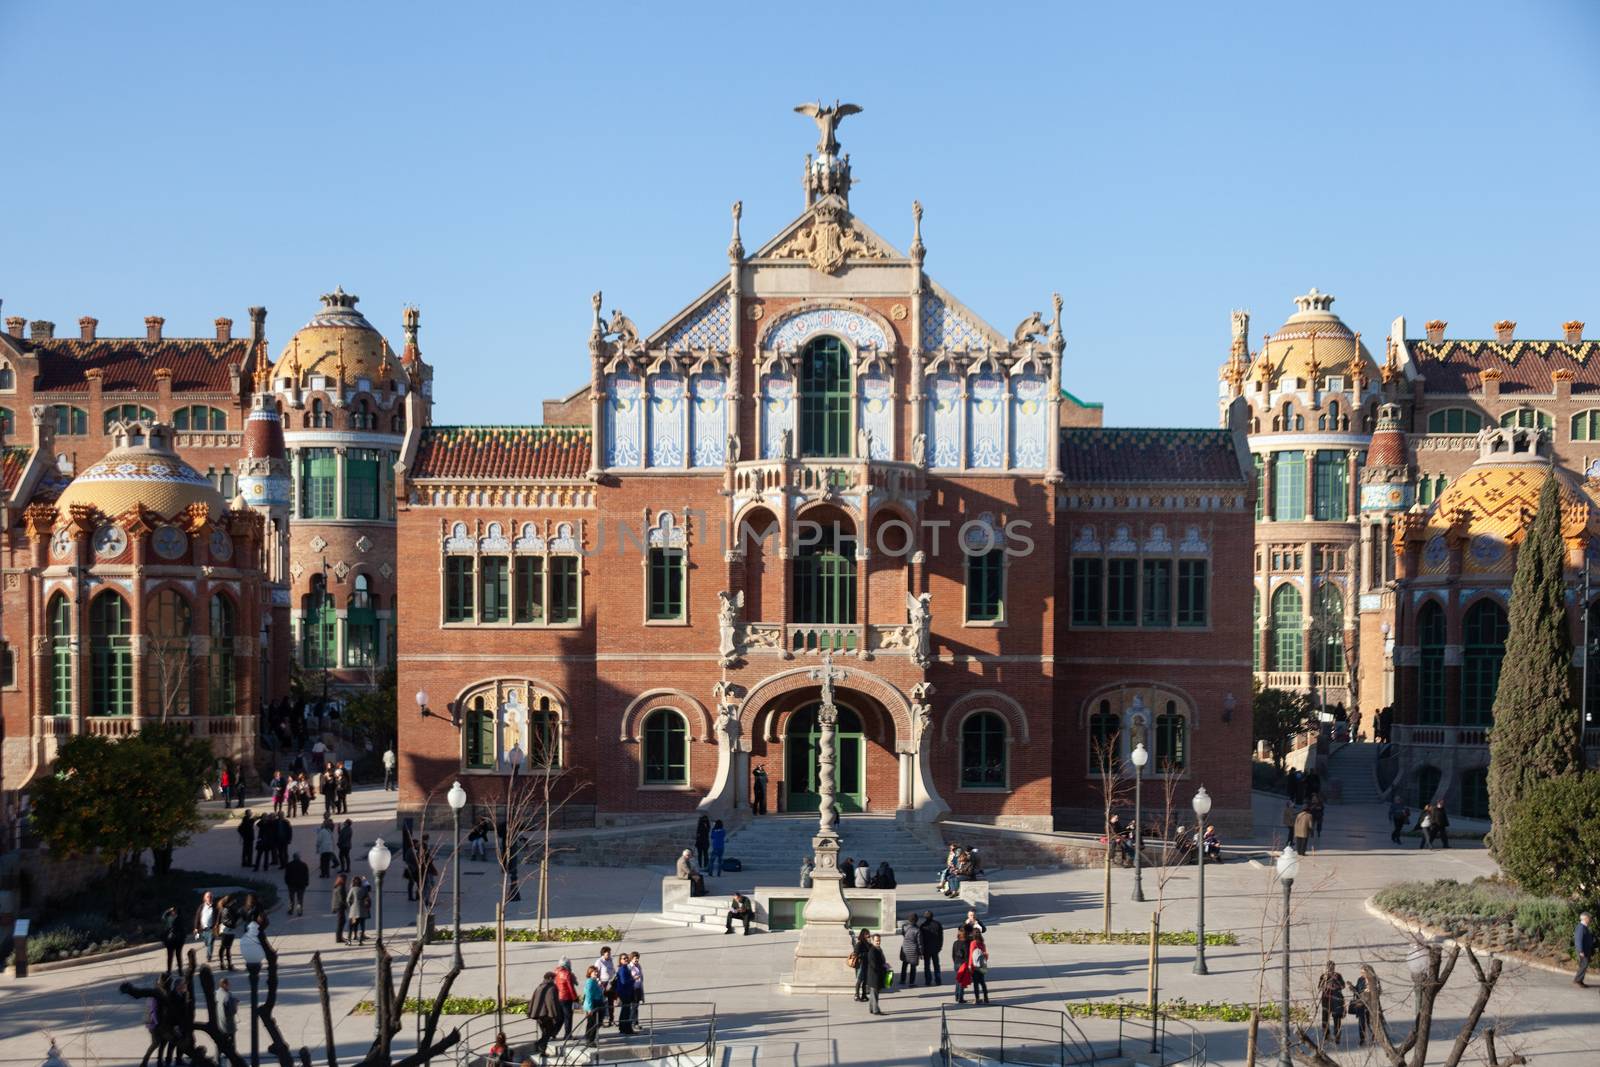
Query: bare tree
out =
(1113, 789)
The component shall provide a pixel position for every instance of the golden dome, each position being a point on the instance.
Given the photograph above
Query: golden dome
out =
(336, 333)
(1313, 343)
(141, 469)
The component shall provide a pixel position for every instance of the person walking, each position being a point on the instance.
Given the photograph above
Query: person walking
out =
(739, 908)
(878, 972)
(1303, 824)
(1330, 994)
(1287, 817)
(932, 944)
(702, 841)
(230, 1013)
(357, 907)
(347, 833)
(719, 845)
(325, 854)
(910, 950)
(624, 995)
(544, 1008)
(388, 782)
(978, 958)
(225, 787)
(961, 959)
(1425, 824)
(285, 835)
(1582, 947)
(247, 838)
(296, 877)
(339, 904)
(594, 1006)
(172, 937)
(758, 789)
(1441, 824)
(859, 961)
(1317, 808)
(206, 920)
(567, 994)
(607, 967)
(232, 925)
(1399, 815)
(1358, 1008)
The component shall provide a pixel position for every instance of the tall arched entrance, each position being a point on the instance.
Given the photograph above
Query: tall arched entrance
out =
(801, 740)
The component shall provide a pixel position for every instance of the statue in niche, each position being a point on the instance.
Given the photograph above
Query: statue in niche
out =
(514, 717)
(728, 607)
(919, 612)
(919, 450)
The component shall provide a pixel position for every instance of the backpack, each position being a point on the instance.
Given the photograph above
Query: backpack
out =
(732, 865)
(980, 960)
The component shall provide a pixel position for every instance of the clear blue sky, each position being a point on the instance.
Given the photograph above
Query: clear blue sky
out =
(496, 164)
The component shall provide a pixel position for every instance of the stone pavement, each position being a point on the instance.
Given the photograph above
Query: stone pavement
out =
(1539, 1012)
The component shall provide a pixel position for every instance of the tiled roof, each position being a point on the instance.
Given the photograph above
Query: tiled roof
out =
(518, 452)
(1125, 455)
(1455, 366)
(12, 459)
(197, 363)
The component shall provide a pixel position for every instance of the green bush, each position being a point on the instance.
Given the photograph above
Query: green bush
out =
(453, 1005)
(1490, 912)
(1206, 1011)
(1128, 937)
(1551, 845)
(523, 933)
(1547, 919)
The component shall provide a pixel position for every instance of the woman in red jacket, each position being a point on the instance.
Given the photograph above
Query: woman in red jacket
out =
(567, 993)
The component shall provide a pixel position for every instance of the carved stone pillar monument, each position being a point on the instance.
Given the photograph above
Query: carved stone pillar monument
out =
(819, 958)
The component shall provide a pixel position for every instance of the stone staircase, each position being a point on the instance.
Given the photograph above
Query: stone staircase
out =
(775, 844)
(1354, 767)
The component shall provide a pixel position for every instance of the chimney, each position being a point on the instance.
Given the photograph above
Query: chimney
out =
(224, 329)
(1435, 328)
(86, 327)
(152, 327)
(258, 322)
(14, 325)
(1504, 331)
(42, 329)
(1574, 331)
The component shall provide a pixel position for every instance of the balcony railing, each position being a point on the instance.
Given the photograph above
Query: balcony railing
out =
(1433, 736)
(1322, 681)
(820, 478)
(815, 638)
(109, 725)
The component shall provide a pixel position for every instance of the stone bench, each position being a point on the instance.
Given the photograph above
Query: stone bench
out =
(976, 894)
(674, 890)
(871, 908)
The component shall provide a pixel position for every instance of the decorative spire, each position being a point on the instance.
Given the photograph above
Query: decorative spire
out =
(829, 173)
(263, 371)
(1057, 341)
(410, 323)
(1315, 300)
(598, 330)
(735, 245)
(917, 249)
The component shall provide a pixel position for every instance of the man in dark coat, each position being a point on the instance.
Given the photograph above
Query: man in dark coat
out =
(910, 950)
(877, 971)
(247, 839)
(1582, 947)
(932, 945)
(544, 1008)
(1441, 824)
(296, 876)
(346, 836)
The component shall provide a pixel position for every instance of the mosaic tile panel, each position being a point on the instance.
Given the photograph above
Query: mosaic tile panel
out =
(854, 327)
(706, 327)
(943, 327)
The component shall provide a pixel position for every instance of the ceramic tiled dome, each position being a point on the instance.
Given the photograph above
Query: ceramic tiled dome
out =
(141, 469)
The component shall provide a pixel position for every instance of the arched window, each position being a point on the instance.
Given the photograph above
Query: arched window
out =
(983, 751)
(126, 413)
(8, 377)
(1327, 630)
(110, 656)
(1172, 739)
(60, 616)
(1430, 664)
(477, 736)
(319, 416)
(1586, 425)
(360, 626)
(544, 736)
(397, 421)
(7, 422)
(168, 665)
(1484, 630)
(1454, 420)
(319, 623)
(825, 399)
(222, 691)
(825, 578)
(361, 417)
(666, 748)
(1528, 418)
(1104, 726)
(70, 421)
(199, 417)
(1288, 644)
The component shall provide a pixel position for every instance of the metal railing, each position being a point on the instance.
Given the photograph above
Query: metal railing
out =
(1044, 1037)
(684, 1033)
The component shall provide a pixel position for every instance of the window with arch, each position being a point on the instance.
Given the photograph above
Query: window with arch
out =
(1327, 629)
(199, 417)
(1430, 664)
(110, 656)
(1484, 630)
(1454, 420)
(319, 626)
(8, 377)
(360, 625)
(1527, 418)
(666, 748)
(361, 417)
(1104, 730)
(544, 736)
(59, 616)
(1289, 486)
(478, 736)
(1288, 644)
(8, 424)
(983, 751)
(397, 421)
(222, 688)
(319, 417)
(825, 399)
(986, 581)
(825, 578)
(70, 421)
(1172, 739)
(1586, 425)
(168, 665)
(125, 413)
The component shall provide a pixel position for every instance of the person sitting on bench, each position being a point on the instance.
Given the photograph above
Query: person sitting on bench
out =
(739, 908)
(686, 871)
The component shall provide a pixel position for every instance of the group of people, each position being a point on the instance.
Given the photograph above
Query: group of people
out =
(227, 781)
(608, 994)
(921, 942)
(1333, 999)
(710, 842)
(1433, 823)
(961, 862)
(296, 791)
(215, 923)
(351, 907)
(1302, 823)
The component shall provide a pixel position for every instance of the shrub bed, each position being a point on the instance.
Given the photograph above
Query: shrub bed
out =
(1206, 1011)
(1490, 913)
(452, 1005)
(522, 933)
(1128, 937)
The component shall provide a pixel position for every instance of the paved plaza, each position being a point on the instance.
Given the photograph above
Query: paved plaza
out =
(1538, 1012)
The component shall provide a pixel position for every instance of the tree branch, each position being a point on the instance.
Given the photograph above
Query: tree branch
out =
(1486, 986)
(327, 1010)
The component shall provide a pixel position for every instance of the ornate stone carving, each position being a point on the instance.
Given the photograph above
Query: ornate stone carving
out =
(919, 611)
(728, 608)
(898, 313)
(363, 543)
(318, 543)
(754, 312)
(1029, 328)
(296, 570)
(827, 120)
(341, 570)
(829, 240)
(921, 710)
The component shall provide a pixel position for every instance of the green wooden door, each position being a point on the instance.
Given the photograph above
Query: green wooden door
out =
(801, 772)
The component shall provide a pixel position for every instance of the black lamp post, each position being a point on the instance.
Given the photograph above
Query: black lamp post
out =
(1140, 757)
(1202, 808)
(378, 858)
(1288, 867)
(251, 949)
(458, 800)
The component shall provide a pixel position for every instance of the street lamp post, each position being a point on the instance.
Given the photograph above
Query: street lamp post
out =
(1202, 808)
(458, 800)
(1288, 867)
(251, 949)
(378, 858)
(1140, 757)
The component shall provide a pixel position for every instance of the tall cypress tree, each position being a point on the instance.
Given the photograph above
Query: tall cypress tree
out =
(1536, 734)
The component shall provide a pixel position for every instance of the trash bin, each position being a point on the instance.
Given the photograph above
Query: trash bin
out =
(19, 951)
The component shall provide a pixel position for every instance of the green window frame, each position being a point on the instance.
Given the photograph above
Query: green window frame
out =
(199, 417)
(1331, 489)
(8, 422)
(1122, 592)
(60, 618)
(1289, 486)
(1255, 630)
(168, 684)
(825, 399)
(986, 579)
(1425, 493)
(1172, 740)
(319, 483)
(110, 656)
(459, 580)
(1260, 463)
(1527, 418)
(544, 737)
(1194, 592)
(1484, 630)
(564, 596)
(666, 567)
(360, 625)
(1327, 630)
(527, 589)
(477, 737)
(221, 683)
(1288, 642)
(1103, 730)
(1454, 420)
(1156, 593)
(125, 413)
(666, 748)
(70, 421)
(361, 480)
(983, 751)
(825, 580)
(1430, 664)
(1088, 576)
(319, 627)
(1586, 425)
(494, 589)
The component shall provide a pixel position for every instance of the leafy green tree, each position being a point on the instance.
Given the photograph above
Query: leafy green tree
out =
(376, 713)
(1551, 846)
(117, 798)
(1536, 733)
(1278, 716)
